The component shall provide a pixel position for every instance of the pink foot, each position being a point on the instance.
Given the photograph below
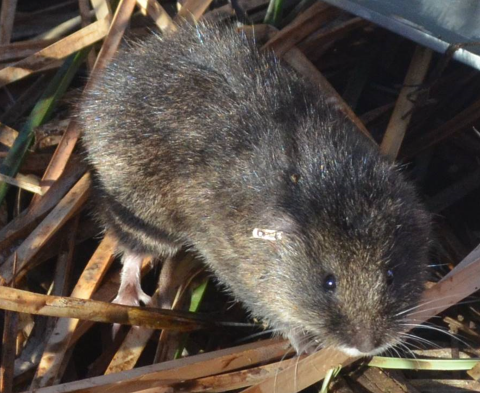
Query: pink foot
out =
(130, 292)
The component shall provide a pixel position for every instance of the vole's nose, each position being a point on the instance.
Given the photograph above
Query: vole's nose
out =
(364, 343)
(363, 340)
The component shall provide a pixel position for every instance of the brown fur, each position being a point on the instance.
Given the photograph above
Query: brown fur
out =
(196, 139)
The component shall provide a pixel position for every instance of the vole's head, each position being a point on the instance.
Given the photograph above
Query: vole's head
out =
(356, 292)
(351, 262)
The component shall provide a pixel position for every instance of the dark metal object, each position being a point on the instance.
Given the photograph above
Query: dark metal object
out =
(437, 24)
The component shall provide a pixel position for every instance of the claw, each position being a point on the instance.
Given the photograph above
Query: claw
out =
(132, 296)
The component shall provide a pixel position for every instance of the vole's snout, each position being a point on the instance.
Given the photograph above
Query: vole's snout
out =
(364, 342)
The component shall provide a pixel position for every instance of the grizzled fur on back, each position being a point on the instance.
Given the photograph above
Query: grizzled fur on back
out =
(198, 138)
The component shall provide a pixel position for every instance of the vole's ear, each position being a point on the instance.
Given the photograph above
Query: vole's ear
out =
(423, 217)
(424, 222)
(286, 223)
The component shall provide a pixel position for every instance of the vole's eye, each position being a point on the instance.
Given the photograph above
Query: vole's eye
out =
(330, 283)
(389, 277)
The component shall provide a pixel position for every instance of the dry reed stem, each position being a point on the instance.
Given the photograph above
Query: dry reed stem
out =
(192, 10)
(26, 100)
(461, 326)
(9, 340)
(332, 34)
(115, 33)
(18, 50)
(65, 209)
(137, 338)
(302, 65)
(23, 182)
(48, 371)
(27, 219)
(459, 122)
(64, 263)
(61, 29)
(7, 16)
(470, 258)
(106, 293)
(86, 19)
(35, 163)
(85, 13)
(298, 61)
(218, 14)
(60, 158)
(445, 385)
(7, 135)
(402, 113)
(374, 114)
(102, 9)
(129, 352)
(234, 380)
(189, 368)
(92, 310)
(474, 373)
(72, 133)
(177, 275)
(259, 33)
(57, 51)
(457, 285)
(158, 14)
(303, 373)
(375, 380)
(305, 24)
(454, 192)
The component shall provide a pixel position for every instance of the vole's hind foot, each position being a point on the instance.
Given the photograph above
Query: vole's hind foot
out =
(130, 292)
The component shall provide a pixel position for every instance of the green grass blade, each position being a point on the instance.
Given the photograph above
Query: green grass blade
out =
(423, 364)
(274, 13)
(195, 302)
(329, 377)
(197, 296)
(39, 115)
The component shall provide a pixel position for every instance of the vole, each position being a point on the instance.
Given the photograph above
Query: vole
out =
(198, 139)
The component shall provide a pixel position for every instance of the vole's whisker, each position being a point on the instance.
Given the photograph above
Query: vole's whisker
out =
(437, 329)
(422, 304)
(414, 307)
(464, 302)
(421, 340)
(259, 334)
(396, 352)
(295, 380)
(278, 370)
(406, 349)
(414, 346)
(318, 347)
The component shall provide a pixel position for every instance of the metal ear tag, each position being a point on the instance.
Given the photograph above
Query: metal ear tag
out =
(267, 234)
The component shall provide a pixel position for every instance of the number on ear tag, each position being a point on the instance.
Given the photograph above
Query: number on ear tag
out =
(267, 234)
